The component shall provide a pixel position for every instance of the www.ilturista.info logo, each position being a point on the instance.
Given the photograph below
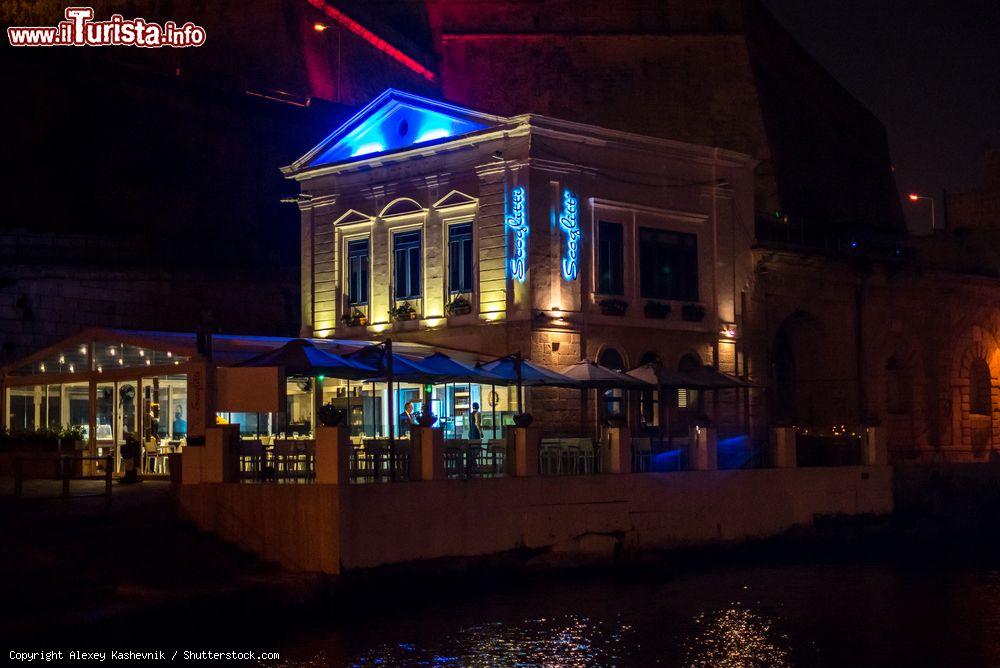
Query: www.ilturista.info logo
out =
(79, 29)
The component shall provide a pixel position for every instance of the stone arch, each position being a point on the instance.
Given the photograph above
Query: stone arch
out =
(975, 365)
(606, 355)
(800, 359)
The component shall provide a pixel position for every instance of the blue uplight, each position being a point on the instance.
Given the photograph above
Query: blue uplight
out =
(432, 134)
(370, 147)
(517, 221)
(394, 121)
(569, 221)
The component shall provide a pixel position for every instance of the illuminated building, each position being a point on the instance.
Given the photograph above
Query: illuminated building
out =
(567, 240)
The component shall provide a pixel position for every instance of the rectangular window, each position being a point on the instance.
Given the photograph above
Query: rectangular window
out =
(668, 265)
(610, 259)
(460, 258)
(357, 272)
(406, 250)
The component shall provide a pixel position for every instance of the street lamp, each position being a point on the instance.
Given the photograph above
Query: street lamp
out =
(914, 197)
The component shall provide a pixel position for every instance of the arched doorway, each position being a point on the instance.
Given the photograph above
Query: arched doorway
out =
(612, 404)
(687, 403)
(980, 404)
(649, 400)
(806, 392)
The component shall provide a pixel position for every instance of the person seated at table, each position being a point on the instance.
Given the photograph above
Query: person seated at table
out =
(476, 424)
(406, 419)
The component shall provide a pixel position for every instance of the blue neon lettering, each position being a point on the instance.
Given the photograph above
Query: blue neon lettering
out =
(569, 221)
(517, 221)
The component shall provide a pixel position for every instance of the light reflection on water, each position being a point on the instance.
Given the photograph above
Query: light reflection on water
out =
(567, 642)
(736, 637)
(803, 615)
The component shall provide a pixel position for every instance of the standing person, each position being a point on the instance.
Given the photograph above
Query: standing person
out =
(406, 419)
(476, 424)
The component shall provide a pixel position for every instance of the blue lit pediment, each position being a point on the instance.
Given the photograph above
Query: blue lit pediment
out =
(395, 121)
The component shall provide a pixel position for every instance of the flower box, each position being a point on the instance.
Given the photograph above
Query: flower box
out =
(693, 312)
(615, 307)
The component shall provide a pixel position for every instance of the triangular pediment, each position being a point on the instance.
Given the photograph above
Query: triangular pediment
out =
(395, 121)
(455, 198)
(352, 217)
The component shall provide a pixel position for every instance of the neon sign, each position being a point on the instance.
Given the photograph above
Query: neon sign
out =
(517, 221)
(569, 221)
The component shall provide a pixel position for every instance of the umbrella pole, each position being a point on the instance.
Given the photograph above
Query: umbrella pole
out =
(520, 387)
(392, 411)
(493, 409)
(349, 434)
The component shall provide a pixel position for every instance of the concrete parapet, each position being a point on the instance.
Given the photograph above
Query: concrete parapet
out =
(217, 460)
(427, 454)
(333, 455)
(619, 454)
(782, 450)
(522, 452)
(703, 454)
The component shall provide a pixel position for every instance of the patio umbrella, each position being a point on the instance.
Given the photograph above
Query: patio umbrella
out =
(710, 378)
(454, 371)
(591, 375)
(519, 371)
(655, 374)
(301, 358)
(531, 373)
(405, 370)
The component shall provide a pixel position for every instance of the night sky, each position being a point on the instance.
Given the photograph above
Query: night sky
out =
(930, 71)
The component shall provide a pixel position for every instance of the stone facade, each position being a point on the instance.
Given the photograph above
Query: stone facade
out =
(635, 181)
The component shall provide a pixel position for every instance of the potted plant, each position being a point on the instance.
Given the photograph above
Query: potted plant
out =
(693, 312)
(355, 318)
(71, 438)
(427, 419)
(522, 419)
(615, 307)
(657, 310)
(404, 311)
(330, 416)
(460, 305)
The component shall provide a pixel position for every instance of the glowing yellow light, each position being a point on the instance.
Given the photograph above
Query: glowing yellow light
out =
(62, 359)
(71, 369)
(381, 327)
(319, 27)
(493, 315)
(41, 367)
(121, 361)
(169, 354)
(100, 369)
(112, 351)
(148, 362)
(83, 350)
(142, 353)
(323, 333)
(176, 362)
(434, 322)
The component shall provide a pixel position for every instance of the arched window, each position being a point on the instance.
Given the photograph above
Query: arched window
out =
(611, 399)
(980, 401)
(898, 390)
(611, 359)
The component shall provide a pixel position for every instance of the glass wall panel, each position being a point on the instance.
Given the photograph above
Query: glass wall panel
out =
(24, 407)
(127, 398)
(76, 406)
(110, 355)
(69, 360)
(299, 407)
(53, 407)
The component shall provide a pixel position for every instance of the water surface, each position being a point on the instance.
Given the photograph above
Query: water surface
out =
(763, 615)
